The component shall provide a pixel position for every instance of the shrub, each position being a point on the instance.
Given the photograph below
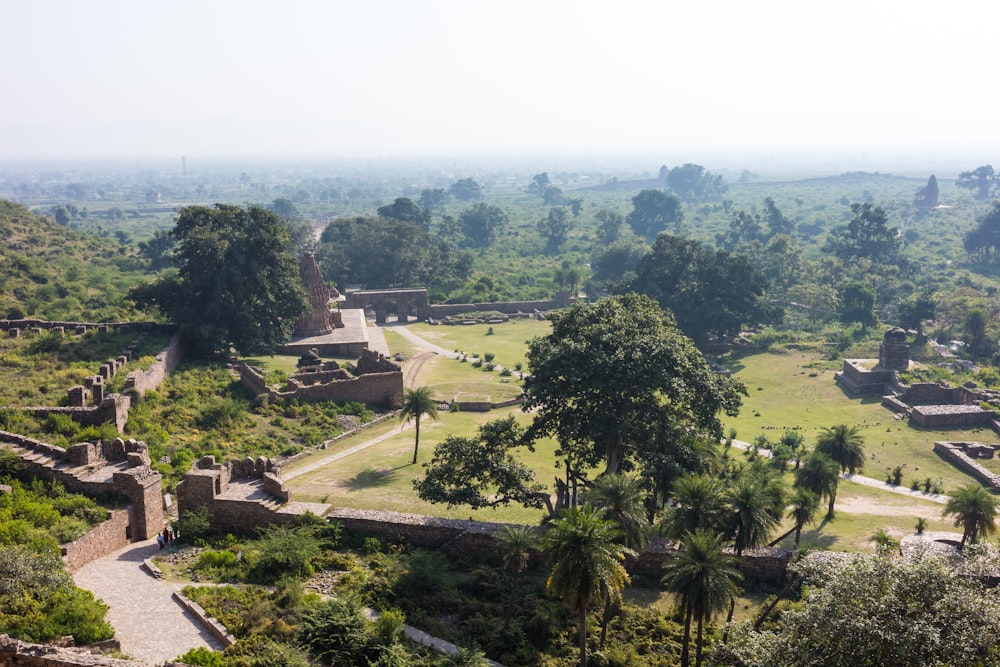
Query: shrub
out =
(194, 526)
(202, 657)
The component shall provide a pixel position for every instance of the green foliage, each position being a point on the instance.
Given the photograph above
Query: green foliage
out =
(654, 211)
(194, 525)
(975, 510)
(40, 603)
(202, 657)
(481, 471)
(336, 632)
(870, 610)
(237, 284)
(707, 292)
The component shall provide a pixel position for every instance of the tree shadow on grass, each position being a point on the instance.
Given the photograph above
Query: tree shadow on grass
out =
(370, 478)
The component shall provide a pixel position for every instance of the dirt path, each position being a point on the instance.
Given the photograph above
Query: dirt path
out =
(149, 623)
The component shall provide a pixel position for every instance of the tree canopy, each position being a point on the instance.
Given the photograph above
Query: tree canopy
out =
(983, 181)
(614, 374)
(708, 292)
(237, 284)
(482, 223)
(867, 236)
(653, 211)
(692, 182)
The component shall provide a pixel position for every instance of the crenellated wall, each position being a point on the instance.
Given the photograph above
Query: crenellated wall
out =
(117, 468)
(101, 540)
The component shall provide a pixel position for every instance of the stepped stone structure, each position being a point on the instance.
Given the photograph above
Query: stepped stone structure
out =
(241, 495)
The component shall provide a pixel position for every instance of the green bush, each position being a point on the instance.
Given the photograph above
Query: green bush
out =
(202, 657)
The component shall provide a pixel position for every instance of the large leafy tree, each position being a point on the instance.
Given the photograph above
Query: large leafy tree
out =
(481, 471)
(870, 610)
(237, 284)
(983, 182)
(653, 211)
(708, 292)
(416, 403)
(706, 582)
(867, 236)
(984, 240)
(380, 252)
(975, 510)
(586, 560)
(482, 223)
(404, 209)
(613, 373)
(692, 182)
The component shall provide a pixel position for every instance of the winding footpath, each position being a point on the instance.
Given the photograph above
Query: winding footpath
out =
(150, 624)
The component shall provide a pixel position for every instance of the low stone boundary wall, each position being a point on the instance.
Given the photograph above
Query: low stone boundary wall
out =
(486, 406)
(151, 378)
(8, 325)
(443, 310)
(954, 453)
(457, 537)
(382, 388)
(100, 541)
(216, 629)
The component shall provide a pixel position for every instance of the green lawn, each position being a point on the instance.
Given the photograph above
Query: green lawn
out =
(381, 477)
(796, 389)
(508, 341)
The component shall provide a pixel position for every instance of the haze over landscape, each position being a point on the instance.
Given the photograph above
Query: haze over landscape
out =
(857, 84)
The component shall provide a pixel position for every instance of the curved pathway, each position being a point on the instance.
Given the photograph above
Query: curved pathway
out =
(149, 623)
(422, 342)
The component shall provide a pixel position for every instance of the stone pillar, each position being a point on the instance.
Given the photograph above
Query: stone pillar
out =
(380, 314)
(77, 396)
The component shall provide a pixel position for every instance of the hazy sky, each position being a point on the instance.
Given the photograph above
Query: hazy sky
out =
(145, 79)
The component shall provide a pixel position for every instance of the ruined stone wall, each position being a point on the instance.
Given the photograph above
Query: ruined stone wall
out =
(954, 453)
(383, 389)
(132, 479)
(113, 409)
(463, 537)
(438, 311)
(24, 325)
(15, 653)
(486, 406)
(100, 541)
(151, 378)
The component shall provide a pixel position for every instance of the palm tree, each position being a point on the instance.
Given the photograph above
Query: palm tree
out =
(698, 502)
(843, 444)
(974, 509)
(756, 503)
(417, 402)
(705, 580)
(620, 500)
(586, 562)
(516, 544)
(804, 506)
(820, 474)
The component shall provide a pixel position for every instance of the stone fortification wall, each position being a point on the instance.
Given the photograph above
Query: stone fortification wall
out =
(117, 468)
(440, 311)
(955, 453)
(113, 409)
(80, 327)
(151, 378)
(240, 495)
(380, 383)
(15, 653)
(101, 540)
(463, 537)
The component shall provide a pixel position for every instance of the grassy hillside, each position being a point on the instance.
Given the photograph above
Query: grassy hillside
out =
(51, 272)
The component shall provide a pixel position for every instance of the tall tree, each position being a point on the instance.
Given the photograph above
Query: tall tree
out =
(705, 580)
(416, 403)
(432, 200)
(516, 543)
(620, 499)
(867, 236)
(697, 502)
(857, 304)
(406, 210)
(482, 223)
(975, 510)
(820, 474)
(659, 378)
(708, 292)
(845, 445)
(586, 562)
(465, 189)
(237, 284)
(803, 510)
(609, 227)
(653, 211)
(555, 228)
(692, 182)
(984, 240)
(983, 181)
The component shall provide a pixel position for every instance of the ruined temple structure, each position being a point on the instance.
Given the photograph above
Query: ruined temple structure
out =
(317, 319)
(894, 351)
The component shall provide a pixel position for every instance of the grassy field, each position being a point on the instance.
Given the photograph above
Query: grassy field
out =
(508, 341)
(796, 389)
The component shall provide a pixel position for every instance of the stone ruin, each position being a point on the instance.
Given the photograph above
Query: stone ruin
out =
(317, 319)
(894, 351)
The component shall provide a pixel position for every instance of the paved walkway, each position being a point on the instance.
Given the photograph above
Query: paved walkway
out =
(902, 490)
(149, 623)
(421, 342)
(317, 463)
